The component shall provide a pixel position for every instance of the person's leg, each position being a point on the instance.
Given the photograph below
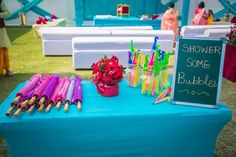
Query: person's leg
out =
(7, 62)
(1, 61)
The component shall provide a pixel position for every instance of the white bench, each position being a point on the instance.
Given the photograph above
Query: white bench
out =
(216, 33)
(58, 40)
(193, 31)
(87, 50)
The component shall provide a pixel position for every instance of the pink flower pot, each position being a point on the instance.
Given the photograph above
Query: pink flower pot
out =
(108, 90)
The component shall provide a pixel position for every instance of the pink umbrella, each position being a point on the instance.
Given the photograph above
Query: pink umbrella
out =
(24, 104)
(28, 87)
(53, 98)
(77, 97)
(13, 106)
(69, 93)
(61, 95)
(39, 90)
(48, 91)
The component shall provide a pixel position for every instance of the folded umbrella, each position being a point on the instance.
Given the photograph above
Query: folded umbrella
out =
(28, 87)
(69, 93)
(24, 105)
(48, 91)
(53, 98)
(39, 90)
(77, 95)
(61, 95)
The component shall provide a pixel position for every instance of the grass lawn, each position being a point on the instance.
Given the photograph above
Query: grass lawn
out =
(27, 59)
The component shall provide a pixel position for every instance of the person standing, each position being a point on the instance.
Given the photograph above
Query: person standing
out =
(200, 15)
(4, 41)
(169, 20)
(210, 18)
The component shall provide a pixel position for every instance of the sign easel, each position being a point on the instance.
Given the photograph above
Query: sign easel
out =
(198, 71)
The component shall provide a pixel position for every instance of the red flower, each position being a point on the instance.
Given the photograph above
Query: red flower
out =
(107, 70)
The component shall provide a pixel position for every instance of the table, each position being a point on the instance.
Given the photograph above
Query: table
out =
(54, 23)
(127, 125)
(124, 21)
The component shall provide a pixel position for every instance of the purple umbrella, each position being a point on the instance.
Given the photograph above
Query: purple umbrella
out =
(39, 90)
(28, 87)
(53, 98)
(48, 91)
(61, 95)
(69, 93)
(77, 96)
(23, 105)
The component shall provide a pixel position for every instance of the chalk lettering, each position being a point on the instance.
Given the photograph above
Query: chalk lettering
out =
(201, 49)
(196, 80)
(196, 63)
(185, 48)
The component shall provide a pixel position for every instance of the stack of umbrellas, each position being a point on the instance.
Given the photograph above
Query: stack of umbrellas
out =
(43, 92)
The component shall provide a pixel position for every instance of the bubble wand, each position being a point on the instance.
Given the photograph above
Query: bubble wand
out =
(144, 76)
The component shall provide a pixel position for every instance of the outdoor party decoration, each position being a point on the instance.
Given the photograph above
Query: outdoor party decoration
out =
(38, 92)
(107, 73)
(77, 95)
(28, 87)
(41, 20)
(229, 71)
(151, 72)
(198, 72)
(61, 95)
(44, 20)
(69, 95)
(53, 98)
(47, 91)
(24, 104)
(163, 96)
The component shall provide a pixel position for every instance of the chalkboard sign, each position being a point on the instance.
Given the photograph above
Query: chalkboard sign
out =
(198, 71)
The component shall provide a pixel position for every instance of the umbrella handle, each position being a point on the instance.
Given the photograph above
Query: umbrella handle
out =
(32, 100)
(41, 107)
(10, 110)
(17, 99)
(42, 100)
(31, 109)
(58, 105)
(66, 108)
(79, 106)
(48, 108)
(24, 103)
(17, 113)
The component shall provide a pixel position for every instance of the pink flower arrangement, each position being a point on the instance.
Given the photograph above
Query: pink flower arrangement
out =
(231, 36)
(43, 20)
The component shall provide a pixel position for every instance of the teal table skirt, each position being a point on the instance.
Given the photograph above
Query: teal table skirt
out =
(126, 21)
(127, 125)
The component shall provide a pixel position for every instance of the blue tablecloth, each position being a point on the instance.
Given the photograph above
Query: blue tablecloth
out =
(127, 125)
(126, 21)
